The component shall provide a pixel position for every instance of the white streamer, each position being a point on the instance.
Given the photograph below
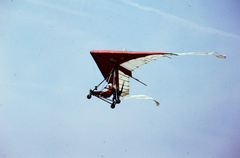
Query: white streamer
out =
(140, 97)
(205, 53)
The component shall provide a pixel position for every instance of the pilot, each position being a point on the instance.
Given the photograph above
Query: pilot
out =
(104, 94)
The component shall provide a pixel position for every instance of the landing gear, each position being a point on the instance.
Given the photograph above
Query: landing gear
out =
(115, 100)
(113, 105)
(89, 96)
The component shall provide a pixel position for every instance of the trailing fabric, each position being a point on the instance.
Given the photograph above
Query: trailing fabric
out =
(204, 53)
(140, 97)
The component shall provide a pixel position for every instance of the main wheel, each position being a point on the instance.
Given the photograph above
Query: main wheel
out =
(89, 96)
(118, 101)
(113, 105)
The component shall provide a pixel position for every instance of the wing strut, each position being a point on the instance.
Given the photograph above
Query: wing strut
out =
(139, 81)
(104, 79)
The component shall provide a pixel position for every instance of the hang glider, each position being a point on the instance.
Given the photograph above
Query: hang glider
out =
(116, 68)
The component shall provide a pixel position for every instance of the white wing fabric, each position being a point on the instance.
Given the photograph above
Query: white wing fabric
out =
(131, 65)
(135, 63)
(123, 83)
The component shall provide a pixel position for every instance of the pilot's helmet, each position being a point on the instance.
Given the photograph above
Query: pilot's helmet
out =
(110, 85)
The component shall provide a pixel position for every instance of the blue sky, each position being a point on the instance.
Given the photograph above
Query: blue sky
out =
(47, 71)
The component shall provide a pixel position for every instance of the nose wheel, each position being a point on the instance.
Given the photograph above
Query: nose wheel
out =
(89, 96)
